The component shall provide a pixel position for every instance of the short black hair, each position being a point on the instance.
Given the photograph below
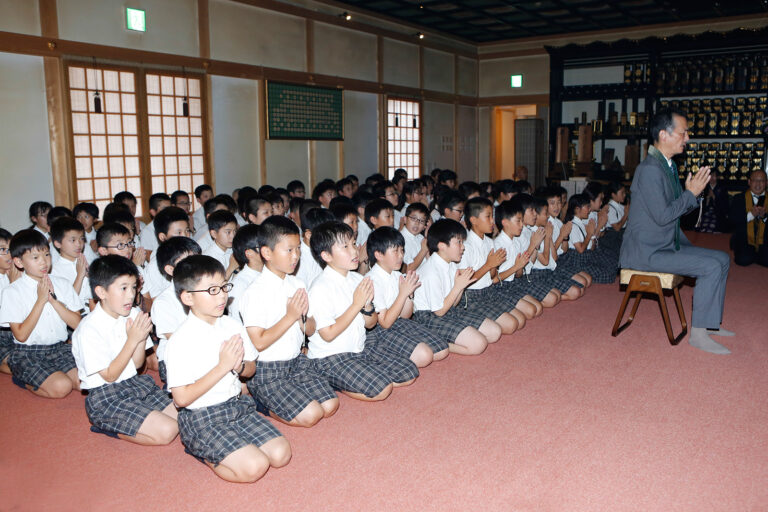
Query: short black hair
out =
(172, 249)
(295, 204)
(550, 192)
(374, 209)
(26, 240)
(663, 119)
(123, 196)
(105, 270)
(219, 200)
(275, 228)
(63, 225)
(253, 205)
(178, 194)
(221, 218)
(275, 198)
(326, 235)
(522, 186)
(295, 185)
(265, 190)
(382, 239)
(341, 210)
(446, 175)
(313, 217)
(449, 199)
(189, 271)
(343, 182)
(374, 178)
(593, 190)
(362, 198)
(380, 189)
(247, 237)
(412, 186)
(322, 188)
(5, 235)
(117, 212)
(107, 232)
(506, 210)
(353, 177)
(575, 201)
(39, 208)
(155, 199)
(615, 187)
(89, 208)
(400, 172)
(339, 200)
(200, 189)
(505, 186)
(58, 212)
(470, 187)
(526, 201)
(475, 206)
(166, 217)
(398, 177)
(417, 208)
(246, 194)
(443, 231)
(539, 204)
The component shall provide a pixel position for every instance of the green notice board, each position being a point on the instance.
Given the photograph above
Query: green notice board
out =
(304, 112)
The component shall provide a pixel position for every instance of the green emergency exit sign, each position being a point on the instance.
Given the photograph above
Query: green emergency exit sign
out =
(516, 81)
(135, 19)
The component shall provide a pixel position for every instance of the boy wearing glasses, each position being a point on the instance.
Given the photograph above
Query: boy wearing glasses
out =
(274, 309)
(109, 346)
(167, 312)
(206, 358)
(386, 190)
(416, 219)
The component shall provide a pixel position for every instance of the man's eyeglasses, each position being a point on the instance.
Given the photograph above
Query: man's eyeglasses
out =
(418, 220)
(214, 290)
(121, 246)
(461, 211)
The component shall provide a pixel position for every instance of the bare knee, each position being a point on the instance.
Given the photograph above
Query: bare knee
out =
(278, 452)
(508, 323)
(422, 355)
(57, 385)
(167, 432)
(550, 300)
(491, 330)
(330, 407)
(384, 393)
(439, 356)
(471, 342)
(309, 416)
(526, 308)
(249, 469)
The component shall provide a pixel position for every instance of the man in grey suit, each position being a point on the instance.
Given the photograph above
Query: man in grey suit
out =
(653, 240)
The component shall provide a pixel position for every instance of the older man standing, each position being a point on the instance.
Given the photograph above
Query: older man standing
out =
(653, 240)
(747, 216)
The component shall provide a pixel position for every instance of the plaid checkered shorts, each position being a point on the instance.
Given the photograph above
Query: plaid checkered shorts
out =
(489, 301)
(287, 387)
(6, 343)
(559, 282)
(32, 364)
(367, 372)
(403, 336)
(512, 291)
(212, 433)
(122, 407)
(537, 285)
(163, 372)
(450, 325)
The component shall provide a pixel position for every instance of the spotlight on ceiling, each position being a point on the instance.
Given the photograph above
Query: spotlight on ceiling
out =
(345, 16)
(420, 35)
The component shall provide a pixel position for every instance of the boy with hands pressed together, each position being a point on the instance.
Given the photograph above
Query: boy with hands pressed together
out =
(109, 346)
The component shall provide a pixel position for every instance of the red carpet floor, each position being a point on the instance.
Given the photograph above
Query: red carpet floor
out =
(558, 417)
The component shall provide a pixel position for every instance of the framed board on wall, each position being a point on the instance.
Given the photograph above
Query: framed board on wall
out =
(303, 112)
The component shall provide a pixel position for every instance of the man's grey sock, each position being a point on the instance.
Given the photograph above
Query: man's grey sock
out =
(701, 340)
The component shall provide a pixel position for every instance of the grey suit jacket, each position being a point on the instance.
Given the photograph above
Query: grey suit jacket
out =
(652, 215)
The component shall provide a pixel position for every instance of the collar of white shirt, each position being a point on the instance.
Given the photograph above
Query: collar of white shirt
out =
(439, 263)
(268, 277)
(335, 274)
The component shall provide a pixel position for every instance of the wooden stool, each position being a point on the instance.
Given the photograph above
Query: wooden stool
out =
(654, 283)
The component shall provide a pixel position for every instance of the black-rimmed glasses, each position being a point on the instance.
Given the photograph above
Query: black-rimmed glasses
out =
(214, 290)
(418, 220)
(121, 246)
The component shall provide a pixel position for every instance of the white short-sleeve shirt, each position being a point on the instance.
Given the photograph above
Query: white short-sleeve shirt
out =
(329, 297)
(193, 351)
(308, 269)
(4, 283)
(539, 265)
(513, 246)
(579, 233)
(97, 341)
(412, 245)
(363, 230)
(557, 226)
(386, 287)
(90, 254)
(147, 238)
(398, 216)
(19, 299)
(615, 212)
(154, 281)
(167, 314)
(593, 216)
(67, 270)
(264, 304)
(437, 277)
(476, 252)
(240, 283)
(220, 254)
(525, 239)
(199, 218)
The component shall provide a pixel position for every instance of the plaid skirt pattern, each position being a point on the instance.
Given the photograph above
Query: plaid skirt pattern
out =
(611, 241)
(513, 291)
(559, 282)
(288, 387)
(489, 301)
(587, 261)
(163, 372)
(32, 364)
(211, 433)
(123, 406)
(403, 336)
(6, 343)
(450, 325)
(368, 372)
(537, 284)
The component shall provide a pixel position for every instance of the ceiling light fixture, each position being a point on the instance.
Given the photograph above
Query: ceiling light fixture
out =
(420, 35)
(346, 16)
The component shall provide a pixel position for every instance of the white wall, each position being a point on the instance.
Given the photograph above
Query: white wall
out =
(361, 126)
(25, 153)
(288, 160)
(171, 24)
(235, 133)
(326, 160)
(344, 52)
(484, 143)
(438, 70)
(22, 16)
(401, 63)
(438, 136)
(466, 145)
